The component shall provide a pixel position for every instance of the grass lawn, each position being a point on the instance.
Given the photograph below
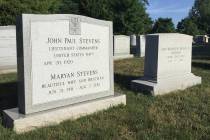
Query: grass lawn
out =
(182, 115)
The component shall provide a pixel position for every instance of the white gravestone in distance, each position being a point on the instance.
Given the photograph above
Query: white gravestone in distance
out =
(133, 40)
(167, 64)
(8, 58)
(65, 66)
(140, 47)
(122, 47)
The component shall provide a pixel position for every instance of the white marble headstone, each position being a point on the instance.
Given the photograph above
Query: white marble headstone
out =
(122, 47)
(65, 70)
(133, 40)
(8, 57)
(66, 59)
(167, 64)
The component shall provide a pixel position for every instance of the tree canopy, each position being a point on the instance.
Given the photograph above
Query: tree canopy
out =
(11, 8)
(198, 20)
(187, 26)
(163, 25)
(128, 16)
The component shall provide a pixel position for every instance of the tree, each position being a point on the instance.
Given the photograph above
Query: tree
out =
(128, 16)
(187, 26)
(163, 25)
(96, 8)
(69, 6)
(200, 14)
(11, 8)
(198, 19)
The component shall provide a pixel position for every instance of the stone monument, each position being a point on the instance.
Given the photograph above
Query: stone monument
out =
(133, 40)
(65, 70)
(122, 47)
(140, 47)
(167, 64)
(8, 58)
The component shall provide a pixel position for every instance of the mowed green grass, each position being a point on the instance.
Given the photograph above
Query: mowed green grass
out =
(181, 115)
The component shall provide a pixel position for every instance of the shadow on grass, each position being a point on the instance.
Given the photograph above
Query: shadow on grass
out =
(201, 57)
(8, 95)
(201, 65)
(124, 81)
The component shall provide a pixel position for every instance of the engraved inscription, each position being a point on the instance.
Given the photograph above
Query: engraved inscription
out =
(67, 66)
(175, 54)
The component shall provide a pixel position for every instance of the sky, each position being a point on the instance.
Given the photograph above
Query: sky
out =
(175, 9)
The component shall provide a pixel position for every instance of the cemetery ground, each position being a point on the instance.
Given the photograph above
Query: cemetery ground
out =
(179, 115)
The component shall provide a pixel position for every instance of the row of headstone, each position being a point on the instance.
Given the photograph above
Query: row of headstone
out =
(65, 68)
(128, 47)
(122, 44)
(8, 58)
(203, 40)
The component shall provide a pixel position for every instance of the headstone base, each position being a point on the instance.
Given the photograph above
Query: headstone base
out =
(120, 57)
(165, 85)
(23, 123)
